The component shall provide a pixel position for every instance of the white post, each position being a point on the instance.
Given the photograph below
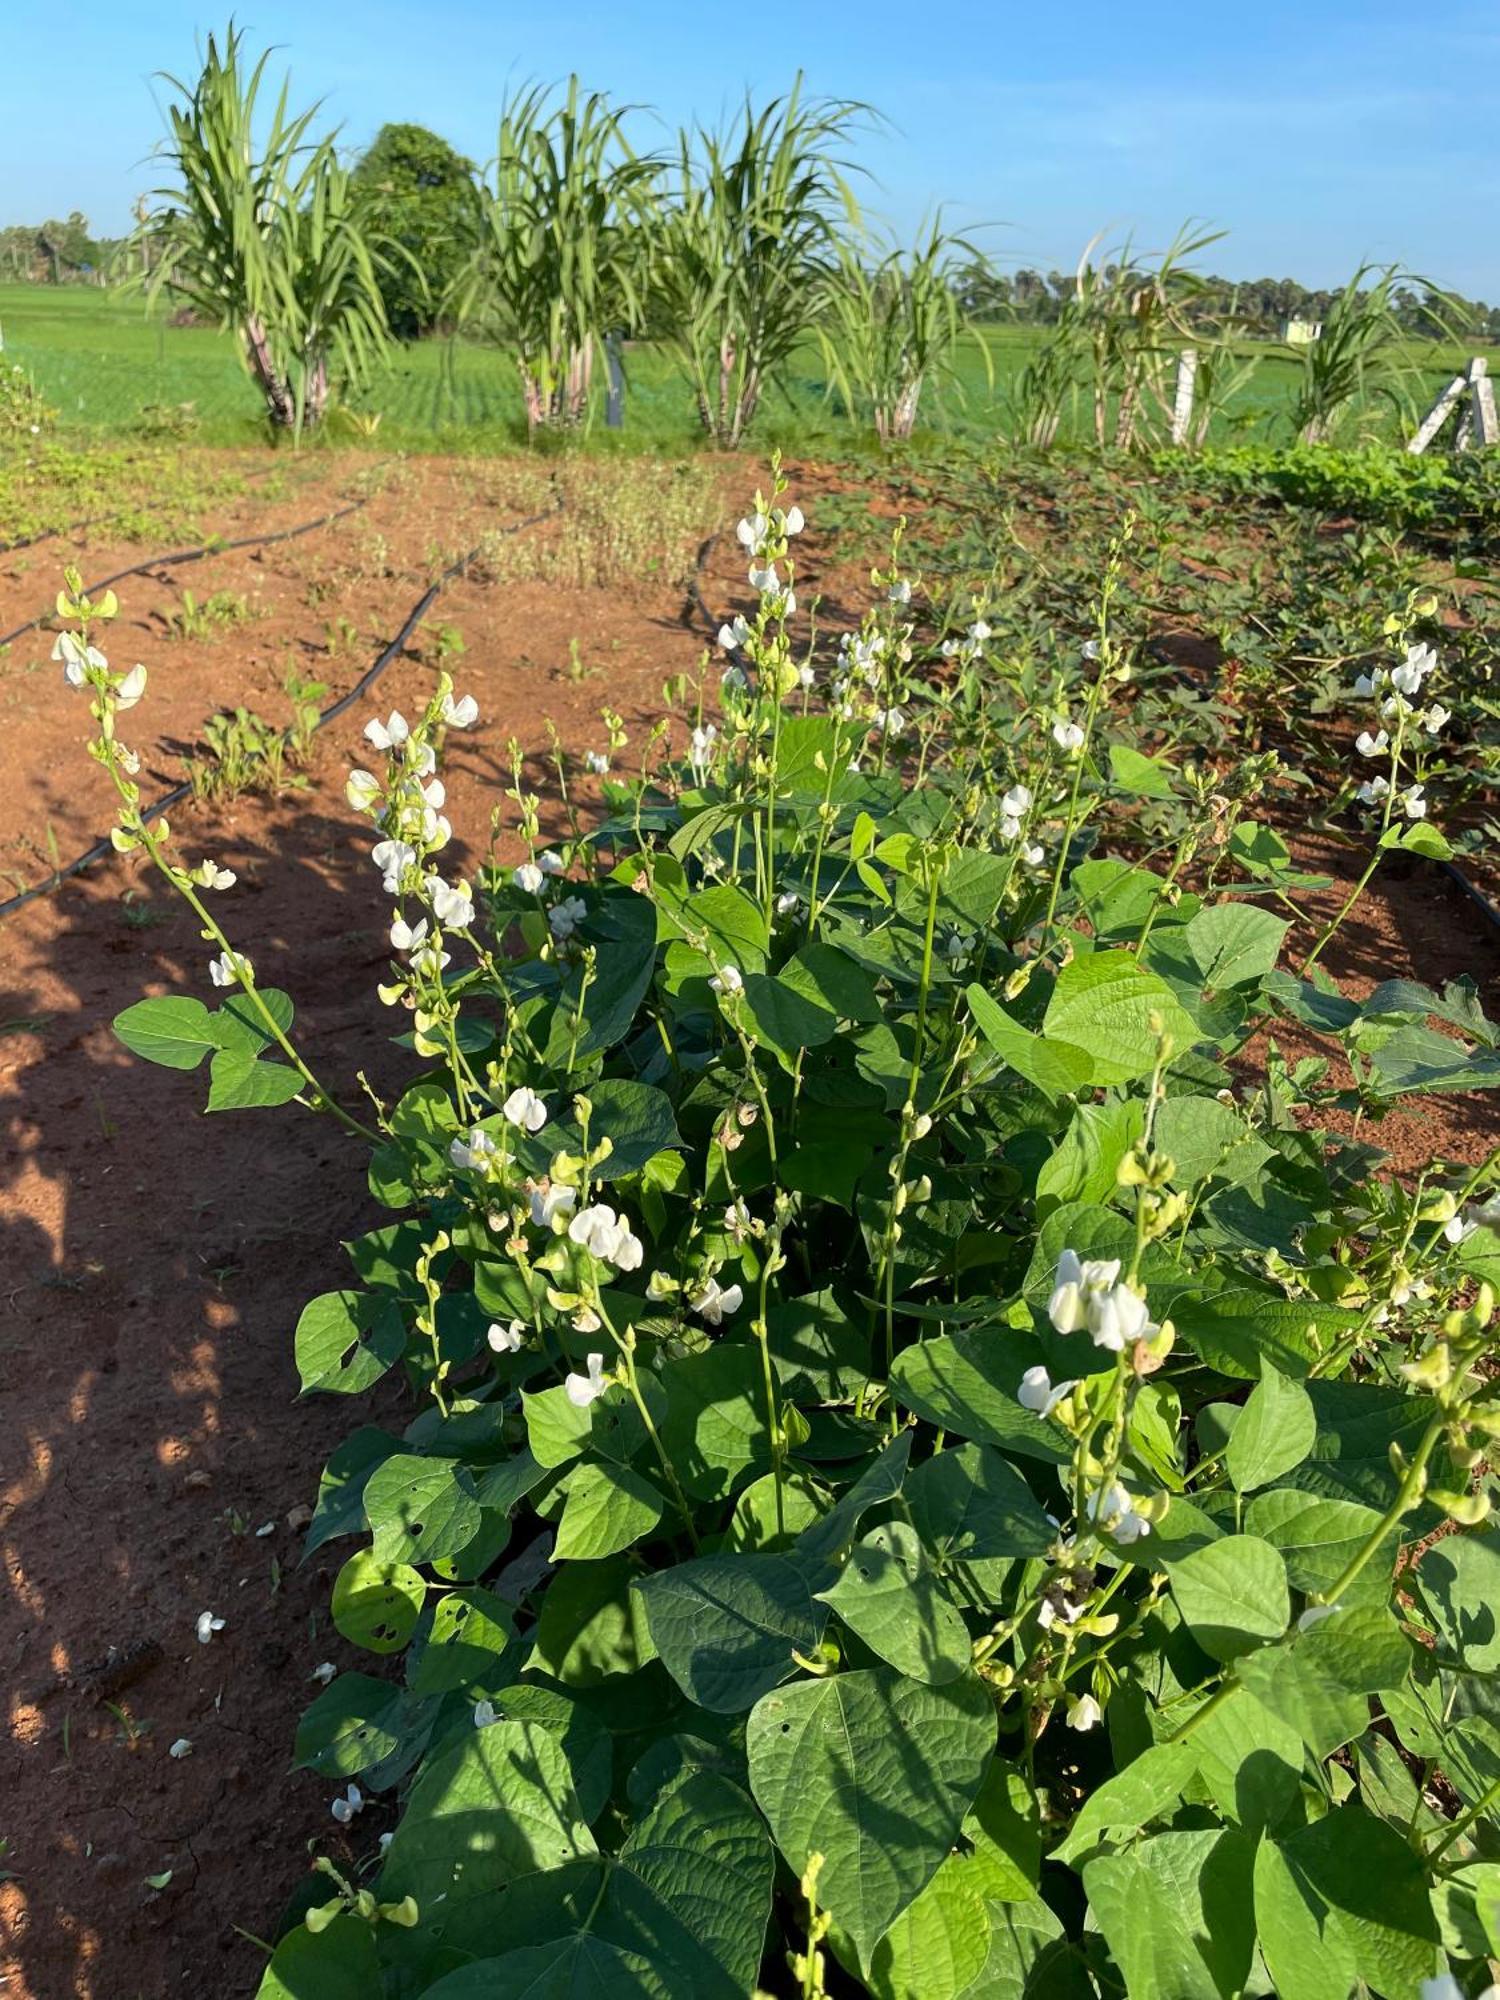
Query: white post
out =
(1482, 419)
(1182, 402)
(1437, 416)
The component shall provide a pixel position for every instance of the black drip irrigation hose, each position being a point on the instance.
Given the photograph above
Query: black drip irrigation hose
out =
(181, 556)
(335, 709)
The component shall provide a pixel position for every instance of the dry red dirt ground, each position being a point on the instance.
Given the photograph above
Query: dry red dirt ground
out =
(153, 1453)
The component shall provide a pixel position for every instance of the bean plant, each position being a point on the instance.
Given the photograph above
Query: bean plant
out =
(932, 1468)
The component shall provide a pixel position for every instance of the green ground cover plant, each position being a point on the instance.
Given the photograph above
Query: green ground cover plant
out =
(918, 1443)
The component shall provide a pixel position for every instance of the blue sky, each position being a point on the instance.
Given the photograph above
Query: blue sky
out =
(1316, 134)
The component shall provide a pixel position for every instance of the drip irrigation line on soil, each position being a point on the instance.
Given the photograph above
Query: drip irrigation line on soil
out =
(181, 556)
(335, 709)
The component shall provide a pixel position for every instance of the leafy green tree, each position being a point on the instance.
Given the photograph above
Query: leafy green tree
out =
(429, 214)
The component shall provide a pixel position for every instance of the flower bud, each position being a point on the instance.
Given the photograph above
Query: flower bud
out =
(1467, 1510)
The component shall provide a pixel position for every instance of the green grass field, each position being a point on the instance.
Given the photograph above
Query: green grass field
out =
(106, 366)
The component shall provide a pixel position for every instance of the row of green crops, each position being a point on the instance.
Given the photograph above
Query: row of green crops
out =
(109, 369)
(919, 1435)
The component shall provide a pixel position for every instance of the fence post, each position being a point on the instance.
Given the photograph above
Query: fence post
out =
(1482, 419)
(1437, 416)
(614, 405)
(1182, 402)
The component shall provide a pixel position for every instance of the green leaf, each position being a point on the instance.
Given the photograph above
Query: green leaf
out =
(970, 1504)
(1138, 775)
(1232, 1595)
(339, 1963)
(1341, 1900)
(345, 1341)
(830, 978)
(966, 1383)
(376, 1605)
(348, 1727)
(888, 1595)
(1055, 1068)
(703, 1853)
(1082, 1168)
(1238, 1332)
(577, 1967)
(878, 1482)
(1458, 1580)
(1204, 1137)
(1250, 1761)
(469, 1643)
(875, 1773)
(636, 1118)
(783, 1020)
(499, 1804)
(340, 1506)
(1275, 1432)
(1175, 1912)
(176, 1031)
(1235, 942)
(420, 1509)
(726, 1626)
(239, 1082)
(607, 1509)
(591, 1624)
(1144, 1790)
(715, 1426)
(1319, 1539)
(1104, 1004)
(1320, 1681)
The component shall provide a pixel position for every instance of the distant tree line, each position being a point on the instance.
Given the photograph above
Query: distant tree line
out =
(56, 253)
(1254, 305)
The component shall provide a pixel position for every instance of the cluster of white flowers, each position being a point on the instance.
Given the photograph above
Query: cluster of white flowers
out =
(969, 648)
(1088, 1297)
(701, 750)
(607, 1236)
(1397, 690)
(531, 876)
(1015, 809)
(867, 662)
(760, 527)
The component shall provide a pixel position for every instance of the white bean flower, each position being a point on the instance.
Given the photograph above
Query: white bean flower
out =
(1084, 1713)
(751, 533)
(1436, 719)
(390, 734)
(715, 1302)
(1088, 1297)
(362, 790)
(701, 750)
(1067, 735)
(1315, 1614)
(471, 1153)
(393, 858)
(183, 1747)
(1016, 802)
(565, 917)
(1372, 746)
(1413, 804)
(528, 878)
(452, 903)
(1113, 1512)
(587, 1388)
(1090, 649)
(323, 1673)
(607, 1236)
(900, 591)
(728, 979)
(1420, 661)
(460, 714)
(735, 634)
(595, 761)
(229, 968)
(130, 690)
(408, 937)
(77, 659)
(506, 1339)
(1033, 854)
(208, 1623)
(347, 1804)
(1373, 791)
(1038, 1391)
(551, 862)
(209, 875)
(788, 903)
(552, 1204)
(484, 1714)
(524, 1108)
(792, 521)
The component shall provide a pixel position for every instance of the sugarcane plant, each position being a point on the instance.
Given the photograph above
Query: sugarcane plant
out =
(267, 236)
(559, 261)
(748, 248)
(893, 325)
